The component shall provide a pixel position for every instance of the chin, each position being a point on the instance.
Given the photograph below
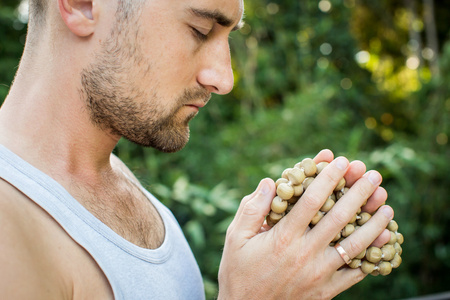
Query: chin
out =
(168, 141)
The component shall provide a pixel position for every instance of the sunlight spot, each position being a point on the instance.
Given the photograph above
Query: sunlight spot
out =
(413, 62)
(325, 6)
(23, 10)
(272, 8)
(387, 118)
(346, 83)
(323, 63)
(428, 53)
(326, 49)
(371, 123)
(362, 57)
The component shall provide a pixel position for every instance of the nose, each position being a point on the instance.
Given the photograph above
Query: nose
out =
(216, 74)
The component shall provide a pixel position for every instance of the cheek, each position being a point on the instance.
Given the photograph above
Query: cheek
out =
(175, 69)
(171, 53)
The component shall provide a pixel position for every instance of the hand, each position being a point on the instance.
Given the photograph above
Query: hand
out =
(291, 260)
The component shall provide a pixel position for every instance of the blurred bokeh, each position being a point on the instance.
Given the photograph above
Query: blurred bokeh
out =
(366, 79)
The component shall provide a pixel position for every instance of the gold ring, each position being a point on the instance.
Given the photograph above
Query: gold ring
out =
(342, 253)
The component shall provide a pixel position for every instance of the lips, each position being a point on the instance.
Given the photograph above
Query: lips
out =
(200, 103)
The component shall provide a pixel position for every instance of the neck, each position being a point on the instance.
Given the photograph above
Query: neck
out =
(45, 121)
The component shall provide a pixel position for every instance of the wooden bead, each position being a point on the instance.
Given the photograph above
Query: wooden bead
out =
(270, 222)
(337, 237)
(393, 238)
(398, 248)
(392, 226)
(278, 205)
(309, 166)
(361, 255)
(329, 203)
(296, 176)
(293, 200)
(298, 190)
(356, 263)
(281, 180)
(367, 267)
(363, 218)
(388, 252)
(284, 174)
(321, 166)
(285, 191)
(340, 185)
(373, 255)
(399, 238)
(276, 217)
(307, 182)
(348, 229)
(396, 261)
(342, 192)
(317, 218)
(384, 268)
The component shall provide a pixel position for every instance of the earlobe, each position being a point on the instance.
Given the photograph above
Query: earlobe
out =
(80, 16)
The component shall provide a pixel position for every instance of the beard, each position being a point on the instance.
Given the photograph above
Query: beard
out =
(115, 103)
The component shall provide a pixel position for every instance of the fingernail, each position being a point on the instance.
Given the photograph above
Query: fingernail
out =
(387, 211)
(341, 163)
(264, 188)
(374, 177)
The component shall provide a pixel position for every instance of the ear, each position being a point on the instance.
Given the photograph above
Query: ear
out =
(80, 16)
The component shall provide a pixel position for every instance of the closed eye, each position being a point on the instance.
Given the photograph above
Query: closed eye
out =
(202, 37)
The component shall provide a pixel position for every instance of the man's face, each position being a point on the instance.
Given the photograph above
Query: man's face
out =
(159, 67)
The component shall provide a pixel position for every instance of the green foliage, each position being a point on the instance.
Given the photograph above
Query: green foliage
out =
(299, 89)
(12, 38)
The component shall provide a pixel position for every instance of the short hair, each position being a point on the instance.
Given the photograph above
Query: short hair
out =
(38, 9)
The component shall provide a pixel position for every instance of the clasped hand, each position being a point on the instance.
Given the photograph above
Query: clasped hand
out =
(291, 260)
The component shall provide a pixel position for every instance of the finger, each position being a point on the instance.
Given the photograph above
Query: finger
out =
(311, 201)
(363, 237)
(356, 169)
(241, 207)
(382, 239)
(377, 199)
(344, 279)
(324, 155)
(253, 211)
(347, 206)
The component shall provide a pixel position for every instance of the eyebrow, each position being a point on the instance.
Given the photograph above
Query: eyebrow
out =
(216, 16)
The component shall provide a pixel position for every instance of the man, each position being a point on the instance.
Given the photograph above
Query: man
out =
(76, 223)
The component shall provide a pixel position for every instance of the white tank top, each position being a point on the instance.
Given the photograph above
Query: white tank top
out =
(135, 273)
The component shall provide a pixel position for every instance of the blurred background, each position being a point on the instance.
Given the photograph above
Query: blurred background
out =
(367, 79)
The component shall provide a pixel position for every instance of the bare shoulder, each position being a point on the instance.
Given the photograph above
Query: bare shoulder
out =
(24, 259)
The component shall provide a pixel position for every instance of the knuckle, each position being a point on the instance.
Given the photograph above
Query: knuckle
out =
(229, 232)
(332, 177)
(339, 218)
(354, 247)
(361, 190)
(282, 242)
(250, 209)
(310, 201)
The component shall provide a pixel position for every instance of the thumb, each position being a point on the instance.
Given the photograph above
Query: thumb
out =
(252, 211)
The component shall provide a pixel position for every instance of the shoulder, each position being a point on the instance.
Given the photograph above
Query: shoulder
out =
(22, 256)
